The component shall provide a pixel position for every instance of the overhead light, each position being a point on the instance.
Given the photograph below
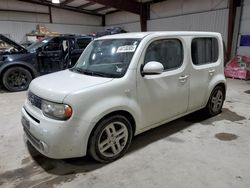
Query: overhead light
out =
(56, 1)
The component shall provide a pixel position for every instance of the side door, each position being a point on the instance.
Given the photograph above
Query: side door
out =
(50, 56)
(164, 96)
(204, 66)
(81, 44)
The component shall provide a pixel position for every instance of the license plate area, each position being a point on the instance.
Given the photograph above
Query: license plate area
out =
(25, 123)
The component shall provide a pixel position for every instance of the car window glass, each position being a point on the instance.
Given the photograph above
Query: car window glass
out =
(204, 50)
(110, 57)
(83, 42)
(4, 45)
(53, 45)
(169, 52)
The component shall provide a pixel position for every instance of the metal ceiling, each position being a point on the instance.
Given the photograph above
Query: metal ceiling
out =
(96, 7)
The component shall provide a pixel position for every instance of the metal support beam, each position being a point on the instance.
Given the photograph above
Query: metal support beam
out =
(144, 16)
(101, 9)
(66, 2)
(50, 15)
(131, 6)
(23, 11)
(103, 20)
(231, 20)
(65, 7)
(86, 5)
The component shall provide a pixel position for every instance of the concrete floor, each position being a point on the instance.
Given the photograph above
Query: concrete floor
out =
(193, 151)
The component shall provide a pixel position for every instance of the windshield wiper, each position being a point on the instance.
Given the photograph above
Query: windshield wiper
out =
(92, 73)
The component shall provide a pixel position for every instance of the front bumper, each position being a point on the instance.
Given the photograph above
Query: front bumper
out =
(53, 138)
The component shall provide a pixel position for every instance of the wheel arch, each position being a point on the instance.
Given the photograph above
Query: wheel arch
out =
(221, 84)
(117, 112)
(25, 65)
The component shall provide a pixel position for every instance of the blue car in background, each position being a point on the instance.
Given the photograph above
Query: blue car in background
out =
(19, 65)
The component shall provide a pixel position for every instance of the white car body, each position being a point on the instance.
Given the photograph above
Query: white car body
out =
(150, 100)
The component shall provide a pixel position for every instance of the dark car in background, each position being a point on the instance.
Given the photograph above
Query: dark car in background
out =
(19, 65)
(110, 31)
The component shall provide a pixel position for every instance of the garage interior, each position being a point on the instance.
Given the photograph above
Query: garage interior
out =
(193, 151)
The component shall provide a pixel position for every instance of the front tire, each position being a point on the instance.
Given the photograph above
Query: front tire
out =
(111, 139)
(215, 101)
(16, 79)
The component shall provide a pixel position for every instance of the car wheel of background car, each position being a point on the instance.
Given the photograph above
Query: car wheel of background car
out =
(16, 79)
(215, 101)
(111, 139)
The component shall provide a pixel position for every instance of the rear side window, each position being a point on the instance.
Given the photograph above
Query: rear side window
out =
(169, 52)
(83, 43)
(204, 50)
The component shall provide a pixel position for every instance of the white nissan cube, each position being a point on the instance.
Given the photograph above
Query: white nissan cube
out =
(121, 86)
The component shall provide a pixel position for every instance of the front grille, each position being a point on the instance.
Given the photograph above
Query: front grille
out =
(35, 100)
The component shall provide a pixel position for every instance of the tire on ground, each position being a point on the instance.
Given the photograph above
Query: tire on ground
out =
(16, 79)
(98, 132)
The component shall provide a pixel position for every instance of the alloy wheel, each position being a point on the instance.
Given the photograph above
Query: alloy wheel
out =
(113, 139)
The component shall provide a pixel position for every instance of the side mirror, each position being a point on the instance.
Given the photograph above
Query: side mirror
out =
(152, 67)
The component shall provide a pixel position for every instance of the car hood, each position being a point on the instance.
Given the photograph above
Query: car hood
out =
(56, 86)
(12, 43)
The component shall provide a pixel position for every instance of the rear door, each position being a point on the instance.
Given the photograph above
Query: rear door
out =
(204, 66)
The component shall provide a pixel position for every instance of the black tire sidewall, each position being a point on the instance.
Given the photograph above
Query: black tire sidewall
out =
(6, 74)
(94, 151)
(209, 104)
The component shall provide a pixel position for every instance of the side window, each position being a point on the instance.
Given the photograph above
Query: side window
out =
(53, 45)
(204, 50)
(82, 43)
(169, 52)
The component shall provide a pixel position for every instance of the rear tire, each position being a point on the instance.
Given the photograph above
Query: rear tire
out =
(215, 101)
(16, 79)
(111, 139)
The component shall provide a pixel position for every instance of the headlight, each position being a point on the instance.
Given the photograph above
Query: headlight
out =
(56, 111)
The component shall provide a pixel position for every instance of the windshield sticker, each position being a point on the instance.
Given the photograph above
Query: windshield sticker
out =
(127, 48)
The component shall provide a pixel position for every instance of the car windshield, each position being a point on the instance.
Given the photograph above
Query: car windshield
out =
(38, 44)
(107, 57)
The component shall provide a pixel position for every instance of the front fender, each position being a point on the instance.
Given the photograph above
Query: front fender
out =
(97, 111)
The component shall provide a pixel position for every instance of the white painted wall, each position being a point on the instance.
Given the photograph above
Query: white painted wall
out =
(70, 17)
(128, 21)
(245, 28)
(172, 8)
(17, 24)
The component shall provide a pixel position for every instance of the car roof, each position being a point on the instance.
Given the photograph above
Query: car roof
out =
(141, 35)
(72, 36)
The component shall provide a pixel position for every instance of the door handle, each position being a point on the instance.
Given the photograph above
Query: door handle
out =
(183, 79)
(211, 72)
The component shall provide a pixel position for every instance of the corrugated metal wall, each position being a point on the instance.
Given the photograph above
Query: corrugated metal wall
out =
(182, 15)
(17, 24)
(207, 21)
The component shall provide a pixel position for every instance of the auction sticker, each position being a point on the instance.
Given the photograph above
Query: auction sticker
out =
(127, 48)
